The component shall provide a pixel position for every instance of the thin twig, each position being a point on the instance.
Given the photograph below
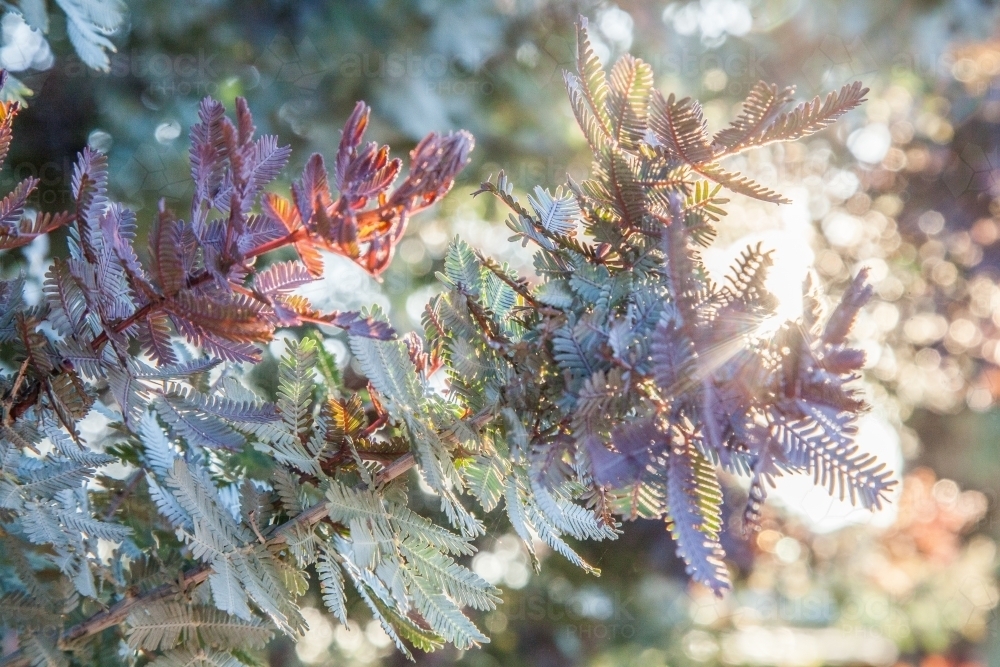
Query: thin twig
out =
(7, 419)
(133, 481)
(518, 286)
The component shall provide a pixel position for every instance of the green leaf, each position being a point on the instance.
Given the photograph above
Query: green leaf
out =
(485, 476)
(165, 624)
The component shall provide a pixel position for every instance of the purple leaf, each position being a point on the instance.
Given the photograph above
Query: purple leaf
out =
(635, 443)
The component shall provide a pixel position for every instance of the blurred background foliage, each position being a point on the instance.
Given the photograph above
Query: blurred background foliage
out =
(908, 186)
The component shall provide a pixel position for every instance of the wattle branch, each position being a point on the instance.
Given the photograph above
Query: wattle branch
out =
(200, 278)
(230, 169)
(118, 612)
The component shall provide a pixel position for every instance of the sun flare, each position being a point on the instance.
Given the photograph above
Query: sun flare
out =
(791, 253)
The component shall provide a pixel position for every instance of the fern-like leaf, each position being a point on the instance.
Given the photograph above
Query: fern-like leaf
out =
(630, 83)
(760, 108)
(694, 498)
(163, 625)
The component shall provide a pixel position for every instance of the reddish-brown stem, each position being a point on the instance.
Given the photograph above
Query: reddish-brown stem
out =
(9, 409)
(375, 425)
(496, 270)
(295, 236)
(21, 406)
(194, 281)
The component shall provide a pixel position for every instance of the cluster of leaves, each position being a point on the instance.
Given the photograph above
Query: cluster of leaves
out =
(627, 374)
(613, 386)
(107, 337)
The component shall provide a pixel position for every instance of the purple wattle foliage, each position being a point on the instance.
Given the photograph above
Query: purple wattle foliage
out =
(202, 280)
